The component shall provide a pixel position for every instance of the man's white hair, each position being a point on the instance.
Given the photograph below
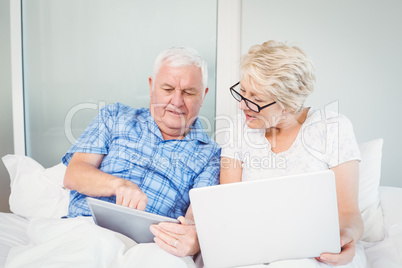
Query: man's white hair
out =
(177, 57)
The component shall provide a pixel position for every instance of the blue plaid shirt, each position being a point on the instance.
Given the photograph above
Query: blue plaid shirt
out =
(134, 149)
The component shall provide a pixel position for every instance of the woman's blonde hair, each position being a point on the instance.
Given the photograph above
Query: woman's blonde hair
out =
(282, 72)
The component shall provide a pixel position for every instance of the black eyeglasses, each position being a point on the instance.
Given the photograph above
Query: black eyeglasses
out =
(251, 105)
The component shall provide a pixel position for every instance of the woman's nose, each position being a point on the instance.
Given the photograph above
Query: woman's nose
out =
(242, 105)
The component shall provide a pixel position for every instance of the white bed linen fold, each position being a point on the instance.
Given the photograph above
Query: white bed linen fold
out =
(359, 261)
(12, 233)
(386, 253)
(79, 242)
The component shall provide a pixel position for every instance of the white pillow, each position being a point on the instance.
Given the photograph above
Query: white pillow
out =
(369, 199)
(36, 191)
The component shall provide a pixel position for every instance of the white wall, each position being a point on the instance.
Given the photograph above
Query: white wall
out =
(6, 129)
(357, 49)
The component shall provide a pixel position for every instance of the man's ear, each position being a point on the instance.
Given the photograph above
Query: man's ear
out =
(205, 93)
(150, 85)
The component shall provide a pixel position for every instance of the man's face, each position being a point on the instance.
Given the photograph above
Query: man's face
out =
(176, 99)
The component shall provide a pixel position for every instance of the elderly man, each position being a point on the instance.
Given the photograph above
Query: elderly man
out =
(149, 159)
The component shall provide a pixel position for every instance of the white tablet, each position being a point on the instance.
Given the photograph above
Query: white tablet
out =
(131, 222)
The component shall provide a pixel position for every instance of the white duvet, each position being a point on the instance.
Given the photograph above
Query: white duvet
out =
(79, 242)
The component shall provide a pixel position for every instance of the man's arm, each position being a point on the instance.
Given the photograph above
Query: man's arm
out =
(181, 239)
(178, 239)
(83, 175)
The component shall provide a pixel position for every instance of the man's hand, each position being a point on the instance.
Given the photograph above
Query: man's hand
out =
(130, 195)
(348, 250)
(177, 239)
(99, 183)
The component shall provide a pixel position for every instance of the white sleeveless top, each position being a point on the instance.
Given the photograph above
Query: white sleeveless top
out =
(325, 140)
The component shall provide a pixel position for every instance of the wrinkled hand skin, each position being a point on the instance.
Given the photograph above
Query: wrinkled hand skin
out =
(166, 235)
(130, 195)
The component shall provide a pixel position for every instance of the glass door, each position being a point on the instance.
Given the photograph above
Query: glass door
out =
(79, 55)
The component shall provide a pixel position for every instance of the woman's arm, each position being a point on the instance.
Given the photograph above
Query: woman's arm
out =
(231, 170)
(347, 187)
(350, 220)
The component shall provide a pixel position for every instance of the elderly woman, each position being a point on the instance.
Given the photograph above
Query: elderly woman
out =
(277, 135)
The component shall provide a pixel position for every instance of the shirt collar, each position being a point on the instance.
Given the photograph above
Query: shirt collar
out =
(197, 132)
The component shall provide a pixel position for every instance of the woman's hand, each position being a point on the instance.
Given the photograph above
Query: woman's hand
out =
(177, 239)
(348, 250)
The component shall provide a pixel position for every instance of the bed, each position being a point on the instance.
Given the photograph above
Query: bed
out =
(34, 234)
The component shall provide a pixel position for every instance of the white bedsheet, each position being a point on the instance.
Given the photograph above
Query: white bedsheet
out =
(80, 243)
(386, 253)
(12, 233)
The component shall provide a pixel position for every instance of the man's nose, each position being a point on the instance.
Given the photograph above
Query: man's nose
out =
(177, 98)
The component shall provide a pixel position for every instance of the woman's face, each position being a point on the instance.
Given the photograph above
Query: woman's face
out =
(267, 117)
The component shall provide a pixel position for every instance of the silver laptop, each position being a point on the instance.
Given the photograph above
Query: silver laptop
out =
(267, 220)
(128, 221)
